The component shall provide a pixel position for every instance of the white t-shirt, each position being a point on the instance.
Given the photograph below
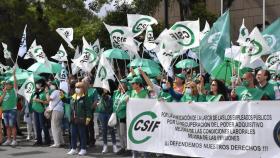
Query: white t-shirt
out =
(56, 104)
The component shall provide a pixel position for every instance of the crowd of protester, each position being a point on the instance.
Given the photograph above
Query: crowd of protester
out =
(74, 112)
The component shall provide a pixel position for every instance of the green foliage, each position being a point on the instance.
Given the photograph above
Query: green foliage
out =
(199, 10)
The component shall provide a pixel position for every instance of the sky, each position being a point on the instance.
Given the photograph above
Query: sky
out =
(107, 7)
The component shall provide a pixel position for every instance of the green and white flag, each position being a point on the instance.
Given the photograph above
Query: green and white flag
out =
(63, 75)
(131, 46)
(88, 59)
(75, 69)
(27, 89)
(273, 61)
(3, 68)
(165, 57)
(61, 54)
(28, 55)
(149, 42)
(170, 44)
(38, 54)
(103, 74)
(243, 34)
(67, 34)
(7, 53)
(96, 47)
(23, 47)
(254, 47)
(205, 30)
(246, 94)
(138, 23)
(272, 36)
(118, 35)
(186, 34)
(213, 45)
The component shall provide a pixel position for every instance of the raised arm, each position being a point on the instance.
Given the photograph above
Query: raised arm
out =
(146, 78)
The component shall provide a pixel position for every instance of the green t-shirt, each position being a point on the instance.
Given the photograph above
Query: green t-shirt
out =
(268, 90)
(10, 100)
(213, 98)
(165, 96)
(142, 94)
(119, 104)
(39, 107)
(197, 98)
(244, 93)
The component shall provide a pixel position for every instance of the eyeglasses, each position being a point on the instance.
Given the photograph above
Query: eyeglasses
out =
(190, 87)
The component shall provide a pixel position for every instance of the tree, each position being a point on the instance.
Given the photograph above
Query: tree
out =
(42, 18)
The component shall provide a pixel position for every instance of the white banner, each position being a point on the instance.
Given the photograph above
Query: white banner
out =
(210, 130)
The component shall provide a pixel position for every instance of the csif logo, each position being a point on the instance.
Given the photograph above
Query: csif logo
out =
(29, 87)
(102, 74)
(117, 38)
(60, 54)
(183, 34)
(254, 48)
(143, 125)
(270, 39)
(140, 25)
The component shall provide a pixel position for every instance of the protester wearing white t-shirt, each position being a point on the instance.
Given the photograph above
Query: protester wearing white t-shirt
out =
(56, 105)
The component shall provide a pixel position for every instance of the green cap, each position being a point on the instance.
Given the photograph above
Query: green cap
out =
(129, 78)
(8, 82)
(55, 82)
(136, 80)
(181, 76)
(123, 81)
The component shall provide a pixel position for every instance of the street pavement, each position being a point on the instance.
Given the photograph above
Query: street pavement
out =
(25, 149)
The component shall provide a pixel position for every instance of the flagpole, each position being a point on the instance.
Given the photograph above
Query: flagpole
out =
(68, 67)
(200, 67)
(222, 7)
(263, 15)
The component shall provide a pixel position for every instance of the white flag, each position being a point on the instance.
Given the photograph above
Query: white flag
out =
(273, 61)
(254, 48)
(138, 23)
(149, 42)
(103, 74)
(205, 30)
(75, 69)
(165, 57)
(77, 53)
(243, 34)
(61, 54)
(3, 68)
(88, 59)
(169, 43)
(186, 34)
(96, 47)
(23, 47)
(38, 54)
(67, 35)
(118, 35)
(7, 53)
(27, 89)
(131, 46)
(63, 76)
(28, 55)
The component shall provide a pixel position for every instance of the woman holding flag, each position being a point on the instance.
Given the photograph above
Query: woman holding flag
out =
(8, 100)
